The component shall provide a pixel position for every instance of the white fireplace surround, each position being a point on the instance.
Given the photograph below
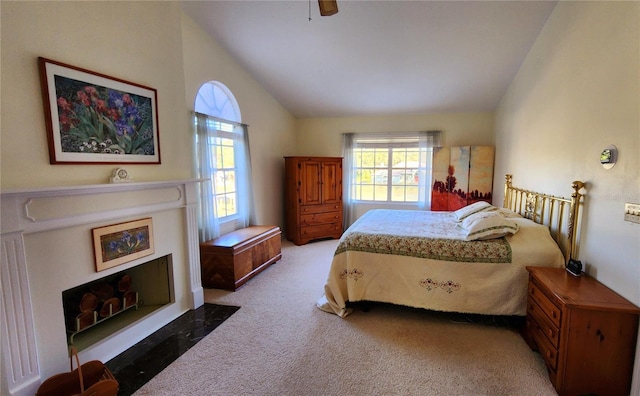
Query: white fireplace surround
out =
(46, 248)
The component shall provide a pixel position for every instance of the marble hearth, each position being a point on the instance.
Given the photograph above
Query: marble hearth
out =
(47, 249)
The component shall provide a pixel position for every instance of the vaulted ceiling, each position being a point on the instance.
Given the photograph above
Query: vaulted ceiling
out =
(377, 57)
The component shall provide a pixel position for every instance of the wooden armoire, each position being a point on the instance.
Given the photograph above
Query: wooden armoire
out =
(462, 175)
(313, 198)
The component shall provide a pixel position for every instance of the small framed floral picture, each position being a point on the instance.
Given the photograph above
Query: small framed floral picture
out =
(93, 118)
(120, 243)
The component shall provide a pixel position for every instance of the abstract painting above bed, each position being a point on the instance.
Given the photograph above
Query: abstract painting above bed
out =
(423, 259)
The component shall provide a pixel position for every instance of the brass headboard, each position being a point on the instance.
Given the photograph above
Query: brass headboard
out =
(550, 211)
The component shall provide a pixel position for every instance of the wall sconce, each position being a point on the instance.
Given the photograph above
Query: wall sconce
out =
(609, 156)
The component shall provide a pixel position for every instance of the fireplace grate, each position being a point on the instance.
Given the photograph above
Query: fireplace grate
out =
(110, 309)
(101, 308)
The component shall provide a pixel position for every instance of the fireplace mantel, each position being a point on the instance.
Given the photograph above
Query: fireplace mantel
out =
(32, 216)
(17, 205)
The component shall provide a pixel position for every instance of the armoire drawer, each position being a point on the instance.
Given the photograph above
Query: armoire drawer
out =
(321, 230)
(321, 218)
(308, 209)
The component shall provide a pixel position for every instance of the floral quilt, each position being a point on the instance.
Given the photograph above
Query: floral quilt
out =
(419, 259)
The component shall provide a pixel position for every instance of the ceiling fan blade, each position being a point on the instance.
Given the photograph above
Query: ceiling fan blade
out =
(328, 7)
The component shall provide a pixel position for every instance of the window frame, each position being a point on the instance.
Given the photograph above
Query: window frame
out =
(225, 130)
(390, 145)
(216, 101)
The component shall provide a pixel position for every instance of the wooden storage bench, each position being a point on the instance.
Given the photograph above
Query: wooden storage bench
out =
(230, 260)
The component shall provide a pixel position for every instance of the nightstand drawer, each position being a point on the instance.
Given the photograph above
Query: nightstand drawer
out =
(548, 328)
(548, 307)
(549, 352)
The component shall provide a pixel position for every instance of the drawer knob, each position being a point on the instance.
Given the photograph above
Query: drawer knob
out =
(550, 332)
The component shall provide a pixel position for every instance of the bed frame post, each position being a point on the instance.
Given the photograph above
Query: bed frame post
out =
(576, 196)
(507, 186)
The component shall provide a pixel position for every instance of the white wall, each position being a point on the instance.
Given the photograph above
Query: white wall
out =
(134, 41)
(323, 136)
(271, 127)
(577, 92)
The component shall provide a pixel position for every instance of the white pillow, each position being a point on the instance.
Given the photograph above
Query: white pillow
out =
(488, 225)
(475, 207)
(508, 213)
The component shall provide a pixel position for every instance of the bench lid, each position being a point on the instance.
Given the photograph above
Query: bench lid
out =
(242, 236)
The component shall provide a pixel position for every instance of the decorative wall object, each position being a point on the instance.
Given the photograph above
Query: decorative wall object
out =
(120, 175)
(120, 243)
(94, 118)
(609, 156)
(462, 175)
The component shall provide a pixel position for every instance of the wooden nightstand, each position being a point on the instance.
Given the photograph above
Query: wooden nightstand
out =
(585, 332)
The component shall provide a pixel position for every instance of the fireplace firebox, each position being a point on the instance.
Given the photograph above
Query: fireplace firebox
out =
(96, 310)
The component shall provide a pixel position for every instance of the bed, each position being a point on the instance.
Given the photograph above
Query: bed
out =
(469, 261)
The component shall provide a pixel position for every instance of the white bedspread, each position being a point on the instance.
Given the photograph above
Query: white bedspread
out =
(419, 259)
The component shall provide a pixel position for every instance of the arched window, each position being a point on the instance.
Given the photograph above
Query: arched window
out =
(222, 156)
(216, 100)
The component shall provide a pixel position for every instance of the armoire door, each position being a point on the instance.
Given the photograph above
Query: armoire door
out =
(331, 185)
(310, 173)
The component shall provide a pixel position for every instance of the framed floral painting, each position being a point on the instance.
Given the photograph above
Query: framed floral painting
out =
(120, 243)
(94, 118)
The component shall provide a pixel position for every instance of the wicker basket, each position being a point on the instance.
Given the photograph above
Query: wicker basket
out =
(90, 379)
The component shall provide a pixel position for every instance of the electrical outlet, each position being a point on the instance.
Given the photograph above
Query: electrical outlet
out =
(632, 212)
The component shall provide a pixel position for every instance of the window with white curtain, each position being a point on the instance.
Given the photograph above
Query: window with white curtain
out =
(223, 141)
(222, 162)
(388, 168)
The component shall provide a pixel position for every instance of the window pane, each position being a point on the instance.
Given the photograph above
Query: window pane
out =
(231, 204)
(412, 194)
(228, 159)
(381, 158)
(366, 193)
(230, 181)
(397, 194)
(399, 157)
(219, 182)
(365, 176)
(366, 158)
(380, 193)
(221, 207)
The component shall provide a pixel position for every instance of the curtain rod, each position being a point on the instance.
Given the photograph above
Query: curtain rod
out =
(222, 120)
(387, 133)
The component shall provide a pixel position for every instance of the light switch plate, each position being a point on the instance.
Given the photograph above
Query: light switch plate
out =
(632, 212)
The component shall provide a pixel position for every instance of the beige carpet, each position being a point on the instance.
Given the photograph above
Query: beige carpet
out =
(279, 343)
